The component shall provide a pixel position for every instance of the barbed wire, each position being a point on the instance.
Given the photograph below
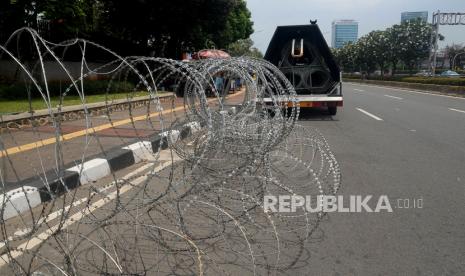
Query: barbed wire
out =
(194, 207)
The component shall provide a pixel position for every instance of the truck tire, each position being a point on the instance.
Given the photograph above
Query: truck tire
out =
(332, 110)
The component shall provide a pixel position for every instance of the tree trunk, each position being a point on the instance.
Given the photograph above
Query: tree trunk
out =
(394, 66)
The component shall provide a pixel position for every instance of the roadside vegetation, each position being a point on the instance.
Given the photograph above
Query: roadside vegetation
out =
(133, 28)
(412, 79)
(21, 90)
(10, 106)
(19, 97)
(403, 49)
(166, 29)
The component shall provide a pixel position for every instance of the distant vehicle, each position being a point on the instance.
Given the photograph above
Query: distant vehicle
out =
(424, 73)
(303, 56)
(450, 73)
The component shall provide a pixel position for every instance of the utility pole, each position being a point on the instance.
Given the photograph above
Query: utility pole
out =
(450, 18)
(434, 42)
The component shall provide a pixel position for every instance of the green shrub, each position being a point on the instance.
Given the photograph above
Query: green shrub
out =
(387, 78)
(402, 73)
(423, 80)
(436, 80)
(94, 87)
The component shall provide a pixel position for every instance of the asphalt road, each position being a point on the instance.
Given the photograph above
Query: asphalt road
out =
(404, 145)
(408, 146)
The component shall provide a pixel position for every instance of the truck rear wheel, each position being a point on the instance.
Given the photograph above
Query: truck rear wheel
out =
(332, 110)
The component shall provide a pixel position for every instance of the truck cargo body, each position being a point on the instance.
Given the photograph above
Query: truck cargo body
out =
(303, 56)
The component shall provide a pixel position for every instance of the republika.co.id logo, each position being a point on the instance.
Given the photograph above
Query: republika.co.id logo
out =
(340, 204)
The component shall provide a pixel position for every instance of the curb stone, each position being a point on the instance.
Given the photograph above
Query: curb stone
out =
(35, 192)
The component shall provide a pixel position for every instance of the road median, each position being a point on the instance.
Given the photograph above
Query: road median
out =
(34, 191)
(22, 196)
(74, 112)
(458, 91)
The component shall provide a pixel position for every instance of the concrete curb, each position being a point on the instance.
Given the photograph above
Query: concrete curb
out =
(33, 193)
(19, 201)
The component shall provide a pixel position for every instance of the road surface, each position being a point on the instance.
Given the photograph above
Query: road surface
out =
(406, 145)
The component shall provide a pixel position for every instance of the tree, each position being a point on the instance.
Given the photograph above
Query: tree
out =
(365, 54)
(353, 58)
(339, 57)
(414, 42)
(137, 27)
(408, 42)
(238, 25)
(377, 48)
(15, 14)
(69, 18)
(244, 47)
(168, 28)
(346, 57)
(452, 51)
(393, 35)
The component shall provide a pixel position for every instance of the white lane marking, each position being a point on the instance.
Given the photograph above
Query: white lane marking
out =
(359, 90)
(56, 214)
(394, 97)
(40, 238)
(45, 219)
(408, 91)
(458, 110)
(369, 114)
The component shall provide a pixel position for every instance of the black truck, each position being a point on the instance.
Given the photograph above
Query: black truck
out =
(304, 57)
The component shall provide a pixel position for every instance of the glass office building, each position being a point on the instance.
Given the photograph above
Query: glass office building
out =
(407, 16)
(343, 31)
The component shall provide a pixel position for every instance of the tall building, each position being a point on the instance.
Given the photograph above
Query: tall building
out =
(407, 16)
(343, 31)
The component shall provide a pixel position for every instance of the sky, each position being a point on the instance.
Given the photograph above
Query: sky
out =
(371, 15)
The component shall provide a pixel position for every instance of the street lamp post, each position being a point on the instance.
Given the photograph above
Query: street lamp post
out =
(434, 41)
(453, 60)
